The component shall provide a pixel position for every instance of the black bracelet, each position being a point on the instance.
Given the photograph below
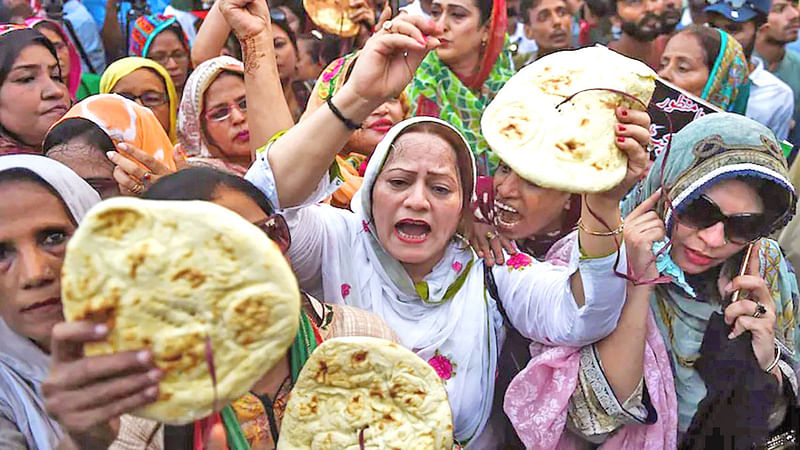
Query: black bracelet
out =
(347, 122)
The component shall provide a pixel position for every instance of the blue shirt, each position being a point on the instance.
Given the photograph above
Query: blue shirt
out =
(97, 8)
(88, 35)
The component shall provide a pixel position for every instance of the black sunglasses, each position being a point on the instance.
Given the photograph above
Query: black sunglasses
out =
(275, 228)
(739, 228)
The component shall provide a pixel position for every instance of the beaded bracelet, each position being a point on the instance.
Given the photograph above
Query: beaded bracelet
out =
(601, 233)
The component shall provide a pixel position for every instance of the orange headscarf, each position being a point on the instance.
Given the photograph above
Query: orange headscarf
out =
(126, 121)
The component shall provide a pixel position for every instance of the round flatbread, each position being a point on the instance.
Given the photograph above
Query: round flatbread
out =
(570, 147)
(359, 383)
(174, 276)
(333, 16)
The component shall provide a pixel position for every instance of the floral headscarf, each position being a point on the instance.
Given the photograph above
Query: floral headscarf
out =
(126, 121)
(147, 28)
(73, 78)
(190, 130)
(711, 149)
(439, 92)
(125, 66)
(728, 81)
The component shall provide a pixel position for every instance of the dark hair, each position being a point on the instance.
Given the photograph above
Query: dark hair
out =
(75, 128)
(600, 8)
(284, 25)
(200, 183)
(709, 40)
(486, 10)
(323, 49)
(176, 28)
(14, 42)
(525, 6)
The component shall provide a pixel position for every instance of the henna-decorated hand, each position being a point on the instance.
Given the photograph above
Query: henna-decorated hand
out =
(246, 17)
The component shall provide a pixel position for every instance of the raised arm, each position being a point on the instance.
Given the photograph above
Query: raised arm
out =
(386, 65)
(267, 112)
(210, 37)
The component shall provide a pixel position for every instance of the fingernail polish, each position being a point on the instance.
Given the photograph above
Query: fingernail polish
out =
(621, 127)
(100, 330)
(620, 139)
(143, 356)
(624, 112)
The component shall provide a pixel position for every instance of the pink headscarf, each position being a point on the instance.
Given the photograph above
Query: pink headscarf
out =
(73, 78)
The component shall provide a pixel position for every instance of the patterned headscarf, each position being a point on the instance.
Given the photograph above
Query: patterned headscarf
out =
(125, 66)
(439, 92)
(711, 149)
(728, 82)
(147, 28)
(190, 130)
(74, 76)
(6, 28)
(126, 121)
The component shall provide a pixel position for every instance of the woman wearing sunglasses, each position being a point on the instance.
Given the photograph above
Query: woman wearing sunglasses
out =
(212, 122)
(727, 185)
(259, 411)
(147, 83)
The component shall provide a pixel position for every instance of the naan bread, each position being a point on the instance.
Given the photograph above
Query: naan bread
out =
(354, 383)
(168, 275)
(333, 16)
(571, 148)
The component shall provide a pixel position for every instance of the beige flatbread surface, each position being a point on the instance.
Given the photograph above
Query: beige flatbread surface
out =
(332, 16)
(358, 383)
(570, 148)
(172, 275)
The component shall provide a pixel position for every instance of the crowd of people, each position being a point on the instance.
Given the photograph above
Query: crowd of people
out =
(554, 319)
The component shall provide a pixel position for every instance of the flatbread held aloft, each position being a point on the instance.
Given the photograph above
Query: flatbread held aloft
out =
(360, 386)
(333, 16)
(176, 277)
(571, 146)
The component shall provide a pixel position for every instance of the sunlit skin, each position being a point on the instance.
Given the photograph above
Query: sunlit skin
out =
(33, 96)
(683, 63)
(145, 80)
(62, 51)
(462, 35)
(33, 238)
(783, 22)
(375, 127)
(285, 55)
(696, 251)
(229, 138)
(524, 209)
(635, 12)
(549, 24)
(417, 201)
(168, 49)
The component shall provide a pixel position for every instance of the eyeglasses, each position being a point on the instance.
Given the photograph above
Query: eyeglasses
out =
(739, 228)
(275, 228)
(179, 56)
(224, 112)
(148, 98)
(277, 16)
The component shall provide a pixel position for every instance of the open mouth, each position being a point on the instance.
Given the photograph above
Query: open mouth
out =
(505, 216)
(412, 231)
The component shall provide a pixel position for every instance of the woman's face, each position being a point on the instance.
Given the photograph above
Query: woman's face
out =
(417, 201)
(285, 55)
(523, 209)
(62, 51)
(33, 240)
(463, 34)
(375, 127)
(683, 63)
(696, 251)
(167, 49)
(33, 96)
(146, 88)
(230, 136)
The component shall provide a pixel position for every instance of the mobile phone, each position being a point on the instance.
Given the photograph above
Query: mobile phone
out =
(743, 269)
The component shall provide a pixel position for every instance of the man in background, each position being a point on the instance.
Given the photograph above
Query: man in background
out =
(641, 22)
(549, 23)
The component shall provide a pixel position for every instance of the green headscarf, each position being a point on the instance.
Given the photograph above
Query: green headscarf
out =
(728, 84)
(711, 149)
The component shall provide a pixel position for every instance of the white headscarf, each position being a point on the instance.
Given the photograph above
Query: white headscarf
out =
(23, 366)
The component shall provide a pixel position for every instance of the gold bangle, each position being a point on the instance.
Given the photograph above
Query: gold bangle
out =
(601, 233)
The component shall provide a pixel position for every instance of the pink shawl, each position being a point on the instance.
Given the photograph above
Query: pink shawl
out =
(537, 398)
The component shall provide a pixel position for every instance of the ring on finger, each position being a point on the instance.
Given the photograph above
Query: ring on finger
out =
(137, 189)
(760, 310)
(387, 26)
(490, 235)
